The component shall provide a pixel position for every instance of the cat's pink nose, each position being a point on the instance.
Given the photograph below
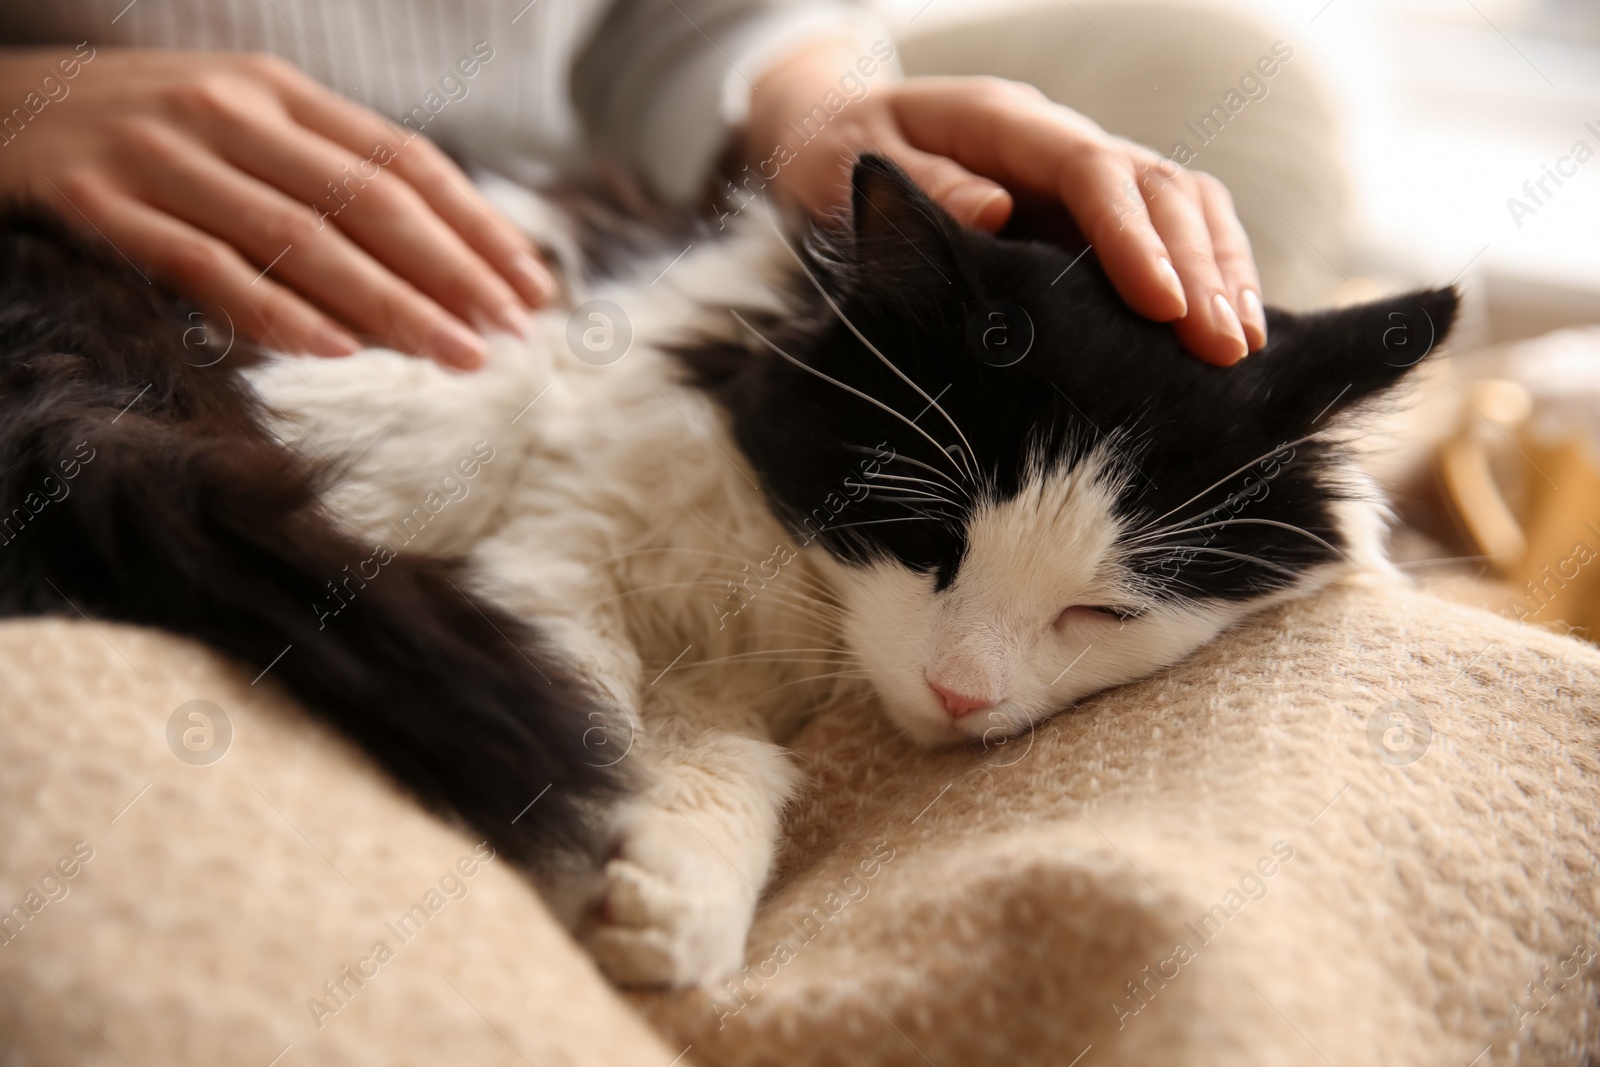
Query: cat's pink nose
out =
(958, 705)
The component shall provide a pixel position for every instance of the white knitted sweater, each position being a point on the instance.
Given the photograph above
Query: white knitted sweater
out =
(654, 85)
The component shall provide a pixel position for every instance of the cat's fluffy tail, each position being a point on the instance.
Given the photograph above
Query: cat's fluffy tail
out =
(139, 486)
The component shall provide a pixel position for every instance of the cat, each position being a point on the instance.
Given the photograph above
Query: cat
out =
(578, 599)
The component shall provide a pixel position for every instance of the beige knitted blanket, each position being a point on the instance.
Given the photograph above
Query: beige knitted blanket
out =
(1362, 831)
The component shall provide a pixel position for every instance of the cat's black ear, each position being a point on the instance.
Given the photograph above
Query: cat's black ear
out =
(903, 240)
(1319, 364)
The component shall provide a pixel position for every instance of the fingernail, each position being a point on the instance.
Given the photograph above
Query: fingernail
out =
(536, 284)
(332, 341)
(457, 345)
(1254, 318)
(1227, 322)
(970, 203)
(1170, 279)
(513, 319)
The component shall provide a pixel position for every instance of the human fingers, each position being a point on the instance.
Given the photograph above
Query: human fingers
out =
(441, 184)
(1211, 329)
(286, 239)
(1012, 134)
(207, 269)
(971, 200)
(1234, 258)
(378, 210)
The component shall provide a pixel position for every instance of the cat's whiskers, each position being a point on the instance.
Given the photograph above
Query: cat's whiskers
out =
(829, 617)
(936, 472)
(826, 611)
(1179, 550)
(914, 503)
(1148, 590)
(849, 389)
(1201, 494)
(829, 676)
(657, 549)
(742, 658)
(789, 633)
(803, 577)
(719, 533)
(934, 497)
(1181, 526)
(828, 597)
(886, 361)
(812, 587)
(910, 478)
(908, 518)
(1242, 522)
(756, 653)
(804, 604)
(640, 590)
(797, 598)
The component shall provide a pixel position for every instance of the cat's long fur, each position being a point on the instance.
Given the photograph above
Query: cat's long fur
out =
(666, 559)
(141, 484)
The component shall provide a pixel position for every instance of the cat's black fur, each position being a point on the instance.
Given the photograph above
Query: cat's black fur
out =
(187, 515)
(924, 291)
(190, 517)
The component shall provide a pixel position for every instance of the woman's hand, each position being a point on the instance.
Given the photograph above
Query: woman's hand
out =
(308, 219)
(1168, 238)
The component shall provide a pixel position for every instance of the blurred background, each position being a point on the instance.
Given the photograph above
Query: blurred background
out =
(1443, 108)
(1402, 145)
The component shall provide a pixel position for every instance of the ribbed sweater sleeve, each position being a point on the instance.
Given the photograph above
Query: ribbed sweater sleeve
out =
(661, 84)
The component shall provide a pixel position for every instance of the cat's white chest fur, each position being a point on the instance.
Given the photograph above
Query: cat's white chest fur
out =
(605, 502)
(586, 497)
(609, 507)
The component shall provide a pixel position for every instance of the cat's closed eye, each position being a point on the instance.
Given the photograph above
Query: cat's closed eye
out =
(1096, 614)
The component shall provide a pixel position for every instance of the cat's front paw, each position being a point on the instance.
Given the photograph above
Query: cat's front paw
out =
(675, 911)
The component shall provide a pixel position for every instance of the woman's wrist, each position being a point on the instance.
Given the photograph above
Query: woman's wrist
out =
(808, 96)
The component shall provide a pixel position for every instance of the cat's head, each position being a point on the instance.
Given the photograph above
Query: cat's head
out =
(1028, 491)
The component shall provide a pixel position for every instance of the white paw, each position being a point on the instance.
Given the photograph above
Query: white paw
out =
(675, 910)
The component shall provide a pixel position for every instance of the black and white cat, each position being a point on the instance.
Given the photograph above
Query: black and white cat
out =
(580, 598)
